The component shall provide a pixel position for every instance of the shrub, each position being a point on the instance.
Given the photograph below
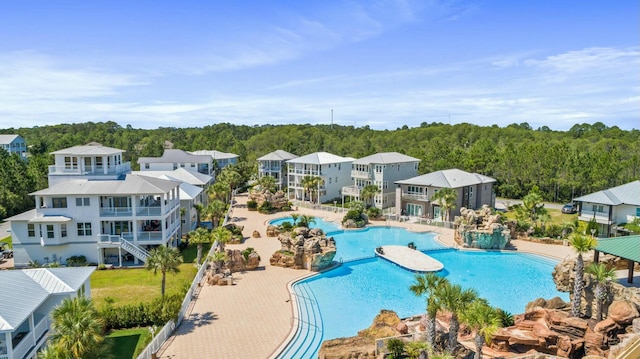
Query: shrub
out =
(522, 226)
(77, 261)
(374, 212)
(554, 230)
(157, 312)
(286, 208)
(506, 318)
(252, 205)
(286, 226)
(102, 266)
(353, 214)
(247, 252)
(538, 232)
(395, 347)
(266, 207)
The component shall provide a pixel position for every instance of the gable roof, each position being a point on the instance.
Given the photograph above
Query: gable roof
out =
(216, 155)
(6, 139)
(131, 185)
(384, 158)
(320, 158)
(31, 287)
(88, 150)
(175, 156)
(451, 178)
(187, 190)
(277, 155)
(627, 247)
(628, 193)
(179, 174)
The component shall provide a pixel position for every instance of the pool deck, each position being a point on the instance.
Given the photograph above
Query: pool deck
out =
(252, 318)
(410, 259)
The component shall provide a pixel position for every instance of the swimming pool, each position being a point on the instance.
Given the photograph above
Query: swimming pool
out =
(342, 301)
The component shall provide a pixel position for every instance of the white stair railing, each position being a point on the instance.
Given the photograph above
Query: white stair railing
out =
(137, 251)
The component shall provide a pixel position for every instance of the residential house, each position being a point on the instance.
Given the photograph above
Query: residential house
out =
(383, 170)
(26, 303)
(174, 159)
(222, 159)
(14, 144)
(611, 207)
(107, 221)
(335, 172)
(274, 164)
(91, 161)
(414, 195)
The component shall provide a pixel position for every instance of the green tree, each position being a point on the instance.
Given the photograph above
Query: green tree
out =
(311, 184)
(267, 183)
(482, 319)
(218, 258)
(222, 236)
(455, 300)
(426, 285)
(199, 213)
(368, 192)
(231, 178)
(165, 260)
(581, 244)
(446, 198)
(395, 347)
(415, 349)
(305, 220)
(199, 237)
(218, 191)
(78, 330)
(214, 211)
(602, 276)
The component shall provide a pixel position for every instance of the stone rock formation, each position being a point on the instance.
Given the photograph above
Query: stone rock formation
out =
(236, 261)
(255, 234)
(273, 231)
(481, 229)
(304, 248)
(236, 233)
(277, 200)
(623, 312)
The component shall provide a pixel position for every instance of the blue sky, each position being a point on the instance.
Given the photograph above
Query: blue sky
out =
(378, 63)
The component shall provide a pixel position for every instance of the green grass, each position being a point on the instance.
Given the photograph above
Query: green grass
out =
(7, 240)
(190, 253)
(127, 343)
(557, 217)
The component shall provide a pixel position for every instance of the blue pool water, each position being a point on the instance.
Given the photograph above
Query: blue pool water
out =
(342, 301)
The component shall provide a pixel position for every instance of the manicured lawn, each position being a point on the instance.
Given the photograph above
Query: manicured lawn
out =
(557, 217)
(127, 343)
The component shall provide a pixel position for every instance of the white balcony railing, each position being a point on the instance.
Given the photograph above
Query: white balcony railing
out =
(360, 174)
(601, 217)
(95, 171)
(351, 191)
(31, 339)
(415, 196)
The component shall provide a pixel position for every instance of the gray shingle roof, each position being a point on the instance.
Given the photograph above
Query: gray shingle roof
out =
(131, 185)
(176, 156)
(88, 150)
(628, 193)
(320, 158)
(384, 158)
(277, 155)
(451, 178)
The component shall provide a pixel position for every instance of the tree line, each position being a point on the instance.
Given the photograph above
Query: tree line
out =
(562, 164)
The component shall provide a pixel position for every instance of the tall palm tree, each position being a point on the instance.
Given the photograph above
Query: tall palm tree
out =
(78, 329)
(581, 243)
(218, 258)
(446, 198)
(222, 236)
(426, 285)
(267, 183)
(306, 220)
(199, 213)
(455, 300)
(484, 320)
(166, 260)
(311, 184)
(214, 211)
(219, 191)
(199, 237)
(602, 274)
(368, 192)
(231, 178)
(294, 217)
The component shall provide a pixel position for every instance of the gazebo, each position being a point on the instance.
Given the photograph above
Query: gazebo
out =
(627, 247)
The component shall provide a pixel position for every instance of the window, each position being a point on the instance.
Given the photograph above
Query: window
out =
(99, 162)
(146, 166)
(329, 180)
(83, 202)
(470, 191)
(415, 166)
(59, 202)
(638, 212)
(70, 163)
(386, 184)
(50, 232)
(84, 229)
(598, 208)
(415, 190)
(63, 230)
(182, 165)
(31, 230)
(378, 168)
(336, 179)
(175, 166)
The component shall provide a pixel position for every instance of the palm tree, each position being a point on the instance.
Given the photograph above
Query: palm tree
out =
(219, 191)
(267, 183)
(368, 192)
(446, 198)
(231, 178)
(581, 244)
(455, 300)
(306, 220)
(427, 285)
(294, 217)
(484, 320)
(602, 274)
(164, 259)
(311, 184)
(199, 212)
(199, 237)
(218, 258)
(78, 329)
(222, 236)
(214, 211)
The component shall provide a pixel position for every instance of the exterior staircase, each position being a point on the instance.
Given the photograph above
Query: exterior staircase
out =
(135, 250)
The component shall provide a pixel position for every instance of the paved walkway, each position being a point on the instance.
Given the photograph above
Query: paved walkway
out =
(252, 318)
(410, 259)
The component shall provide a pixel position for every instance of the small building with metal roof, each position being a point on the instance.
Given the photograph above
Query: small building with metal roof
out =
(625, 247)
(611, 207)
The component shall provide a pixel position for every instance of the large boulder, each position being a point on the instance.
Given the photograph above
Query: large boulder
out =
(273, 231)
(303, 248)
(623, 312)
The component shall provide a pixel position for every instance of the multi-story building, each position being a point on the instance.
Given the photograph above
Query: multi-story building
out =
(108, 221)
(334, 172)
(274, 164)
(382, 170)
(414, 195)
(14, 144)
(92, 161)
(222, 159)
(27, 301)
(611, 207)
(174, 159)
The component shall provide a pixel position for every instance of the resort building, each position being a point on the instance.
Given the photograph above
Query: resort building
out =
(91, 161)
(107, 221)
(334, 173)
(383, 170)
(274, 164)
(611, 207)
(414, 195)
(29, 297)
(174, 159)
(222, 159)
(14, 144)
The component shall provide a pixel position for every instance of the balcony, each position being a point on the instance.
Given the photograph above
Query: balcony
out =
(298, 171)
(351, 191)
(360, 174)
(270, 168)
(94, 171)
(415, 196)
(24, 342)
(601, 217)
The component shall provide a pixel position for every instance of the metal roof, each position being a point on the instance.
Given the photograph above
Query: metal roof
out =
(131, 185)
(50, 219)
(277, 155)
(187, 190)
(384, 158)
(451, 178)
(216, 155)
(6, 139)
(180, 174)
(320, 158)
(627, 247)
(173, 156)
(88, 150)
(25, 290)
(628, 193)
